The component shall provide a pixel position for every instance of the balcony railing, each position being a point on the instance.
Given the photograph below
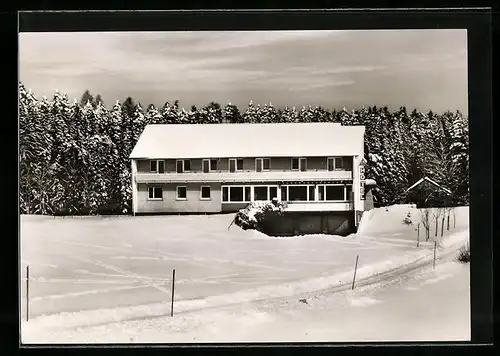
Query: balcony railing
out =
(227, 177)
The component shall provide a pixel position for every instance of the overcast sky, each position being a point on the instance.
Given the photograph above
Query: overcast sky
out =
(424, 69)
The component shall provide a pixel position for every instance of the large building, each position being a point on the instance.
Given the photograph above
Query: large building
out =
(211, 168)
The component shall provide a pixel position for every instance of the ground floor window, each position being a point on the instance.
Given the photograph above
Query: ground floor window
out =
(298, 193)
(239, 194)
(334, 192)
(181, 193)
(205, 192)
(155, 193)
(260, 193)
(235, 194)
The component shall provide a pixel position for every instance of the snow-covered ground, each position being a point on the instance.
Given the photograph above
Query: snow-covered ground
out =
(92, 273)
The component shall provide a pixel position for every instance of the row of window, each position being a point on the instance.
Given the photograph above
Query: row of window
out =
(236, 164)
(322, 192)
(239, 194)
(156, 193)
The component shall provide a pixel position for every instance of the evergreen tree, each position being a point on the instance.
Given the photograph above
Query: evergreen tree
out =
(252, 114)
(98, 100)
(87, 98)
(153, 116)
(213, 113)
(232, 114)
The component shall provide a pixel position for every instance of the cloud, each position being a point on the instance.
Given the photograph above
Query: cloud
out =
(285, 67)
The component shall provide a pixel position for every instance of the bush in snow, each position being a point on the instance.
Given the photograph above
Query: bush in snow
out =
(256, 214)
(464, 254)
(407, 220)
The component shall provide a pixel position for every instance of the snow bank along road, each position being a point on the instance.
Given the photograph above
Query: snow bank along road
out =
(106, 270)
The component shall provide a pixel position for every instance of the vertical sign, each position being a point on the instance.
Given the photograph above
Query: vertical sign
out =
(362, 182)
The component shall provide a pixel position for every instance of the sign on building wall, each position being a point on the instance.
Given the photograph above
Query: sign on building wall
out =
(362, 182)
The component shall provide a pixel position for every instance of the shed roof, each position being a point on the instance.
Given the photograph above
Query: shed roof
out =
(249, 140)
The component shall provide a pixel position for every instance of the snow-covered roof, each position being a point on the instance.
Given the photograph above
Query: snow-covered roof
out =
(430, 181)
(249, 140)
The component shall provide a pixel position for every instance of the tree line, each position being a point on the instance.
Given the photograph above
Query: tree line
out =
(74, 155)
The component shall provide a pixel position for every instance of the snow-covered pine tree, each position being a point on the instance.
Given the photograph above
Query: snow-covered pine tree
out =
(252, 113)
(34, 159)
(214, 113)
(268, 114)
(459, 154)
(289, 115)
(194, 115)
(87, 98)
(169, 113)
(183, 116)
(153, 116)
(232, 114)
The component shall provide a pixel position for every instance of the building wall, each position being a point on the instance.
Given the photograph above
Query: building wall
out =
(299, 223)
(278, 164)
(169, 204)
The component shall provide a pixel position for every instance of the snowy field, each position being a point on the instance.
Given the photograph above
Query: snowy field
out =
(97, 272)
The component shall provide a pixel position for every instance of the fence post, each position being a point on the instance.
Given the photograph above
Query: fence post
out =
(355, 268)
(434, 260)
(173, 289)
(27, 292)
(442, 226)
(418, 234)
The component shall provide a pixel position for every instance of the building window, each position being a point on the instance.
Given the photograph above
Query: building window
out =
(262, 164)
(236, 194)
(260, 193)
(297, 193)
(235, 164)
(183, 165)
(157, 166)
(284, 193)
(335, 163)
(213, 164)
(334, 192)
(321, 192)
(348, 193)
(299, 164)
(339, 163)
(206, 165)
(273, 192)
(181, 193)
(205, 192)
(311, 193)
(155, 193)
(209, 165)
(331, 166)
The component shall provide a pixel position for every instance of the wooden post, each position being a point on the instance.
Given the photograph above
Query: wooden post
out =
(434, 260)
(355, 268)
(436, 230)
(173, 288)
(418, 234)
(442, 226)
(27, 292)
(448, 222)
